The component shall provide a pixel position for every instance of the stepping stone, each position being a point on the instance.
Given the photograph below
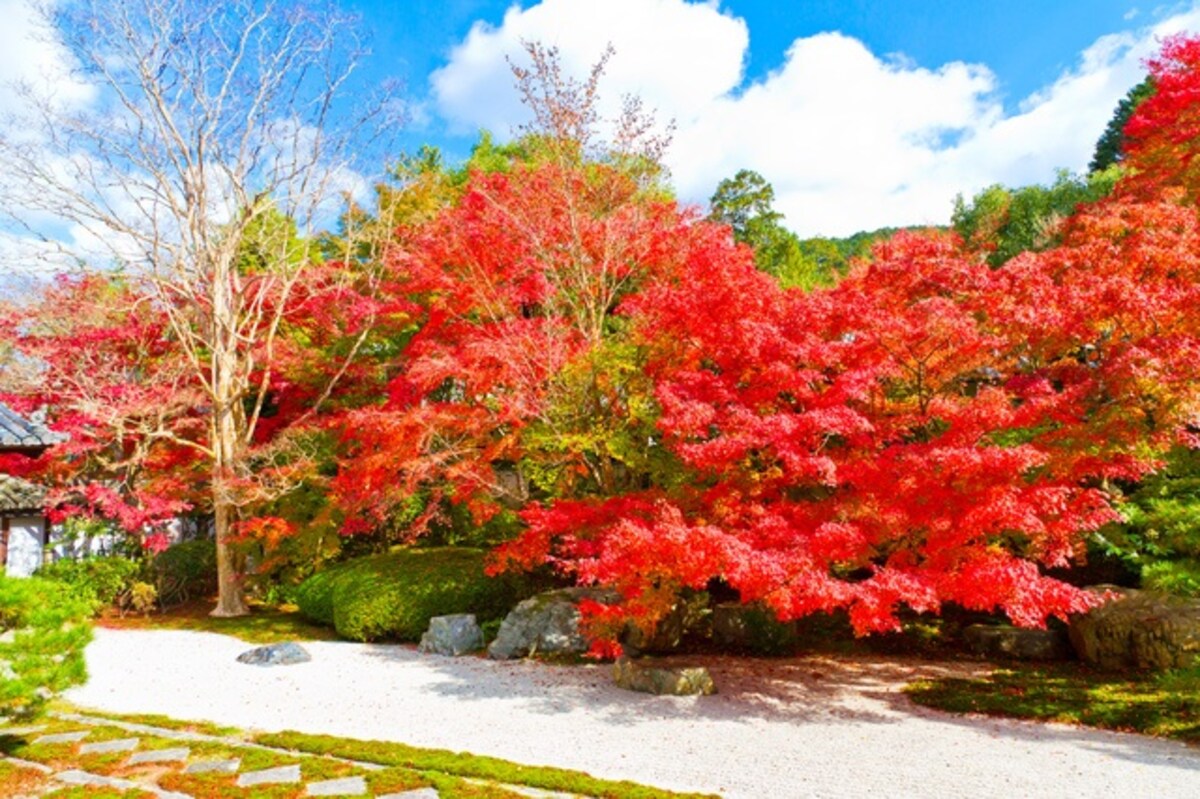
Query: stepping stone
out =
(346, 786)
(416, 793)
(19, 731)
(62, 737)
(77, 777)
(214, 767)
(105, 747)
(269, 776)
(159, 756)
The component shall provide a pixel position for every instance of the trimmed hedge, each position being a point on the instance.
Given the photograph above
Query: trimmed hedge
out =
(393, 596)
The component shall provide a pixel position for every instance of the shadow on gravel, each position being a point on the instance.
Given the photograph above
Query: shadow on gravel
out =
(1129, 746)
(789, 690)
(810, 689)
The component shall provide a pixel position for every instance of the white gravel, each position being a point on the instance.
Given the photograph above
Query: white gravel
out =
(804, 727)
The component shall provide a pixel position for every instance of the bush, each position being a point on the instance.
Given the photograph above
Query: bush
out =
(314, 597)
(185, 570)
(43, 632)
(393, 596)
(99, 581)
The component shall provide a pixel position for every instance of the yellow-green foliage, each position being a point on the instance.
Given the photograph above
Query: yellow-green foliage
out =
(43, 632)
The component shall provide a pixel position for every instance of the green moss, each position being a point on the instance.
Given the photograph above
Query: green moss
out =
(439, 765)
(1155, 704)
(263, 625)
(396, 780)
(393, 596)
(150, 720)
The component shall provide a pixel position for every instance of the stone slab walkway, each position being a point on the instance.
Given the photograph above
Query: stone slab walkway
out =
(108, 754)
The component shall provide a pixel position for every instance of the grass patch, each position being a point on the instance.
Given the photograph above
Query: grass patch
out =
(441, 767)
(1166, 704)
(264, 624)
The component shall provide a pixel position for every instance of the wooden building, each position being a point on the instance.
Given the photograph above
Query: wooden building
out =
(23, 525)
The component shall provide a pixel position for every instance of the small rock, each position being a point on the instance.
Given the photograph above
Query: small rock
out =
(663, 680)
(106, 747)
(1005, 641)
(345, 786)
(415, 793)
(62, 737)
(269, 776)
(547, 624)
(452, 635)
(214, 767)
(160, 756)
(284, 654)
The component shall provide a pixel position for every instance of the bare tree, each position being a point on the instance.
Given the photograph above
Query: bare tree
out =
(199, 121)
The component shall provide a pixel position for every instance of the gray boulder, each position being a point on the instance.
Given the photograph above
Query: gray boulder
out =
(1018, 643)
(284, 654)
(452, 635)
(650, 678)
(1139, 630)
(546, 624)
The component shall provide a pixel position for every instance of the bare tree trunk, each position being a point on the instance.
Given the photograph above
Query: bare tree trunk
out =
(231, 596)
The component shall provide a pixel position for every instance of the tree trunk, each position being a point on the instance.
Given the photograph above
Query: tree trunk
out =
(226, 445)
(230, 597)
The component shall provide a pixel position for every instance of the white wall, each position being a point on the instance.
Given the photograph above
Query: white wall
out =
(25, 539)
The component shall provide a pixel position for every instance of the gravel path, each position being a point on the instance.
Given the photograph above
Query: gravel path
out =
(803, 727)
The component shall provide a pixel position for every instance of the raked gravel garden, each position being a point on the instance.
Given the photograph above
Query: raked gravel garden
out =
(813, 726)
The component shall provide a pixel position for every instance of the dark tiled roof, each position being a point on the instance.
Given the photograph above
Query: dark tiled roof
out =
(17, 431)
(16, 494)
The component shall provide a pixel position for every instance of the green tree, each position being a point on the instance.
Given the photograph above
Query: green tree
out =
(745, 202)
(1005, 222)
(1160, 538)
(1110, 148)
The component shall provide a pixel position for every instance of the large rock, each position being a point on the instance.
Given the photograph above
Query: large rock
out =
(650, 678)
(284, 654)
(1139, 630)
(1019, 643)
(452, 635)
(547, 624)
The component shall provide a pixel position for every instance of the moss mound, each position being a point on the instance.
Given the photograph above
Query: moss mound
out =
(393, 596)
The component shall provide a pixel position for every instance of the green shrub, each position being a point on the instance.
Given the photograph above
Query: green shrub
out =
(314, 597)
(767, 635)
(43, 632)
(393, 596)
(100, 581)
(185, 570)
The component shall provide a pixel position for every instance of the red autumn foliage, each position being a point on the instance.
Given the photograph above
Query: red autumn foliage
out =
(1162, 138)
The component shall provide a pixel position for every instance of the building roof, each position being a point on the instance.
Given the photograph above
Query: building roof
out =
(18, 432)
(18, 495)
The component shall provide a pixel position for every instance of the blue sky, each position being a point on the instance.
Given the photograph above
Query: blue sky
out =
(862, 114)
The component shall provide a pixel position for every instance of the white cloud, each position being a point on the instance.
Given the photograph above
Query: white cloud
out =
(677, 56)
(850, 140)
